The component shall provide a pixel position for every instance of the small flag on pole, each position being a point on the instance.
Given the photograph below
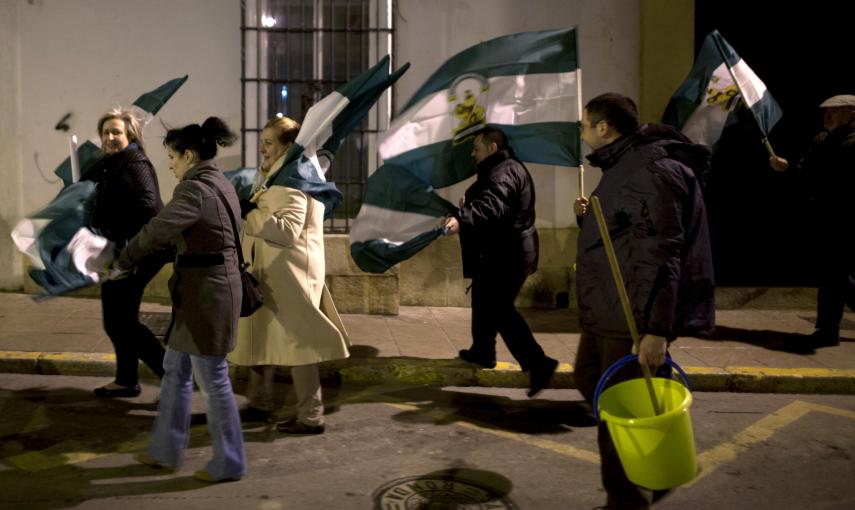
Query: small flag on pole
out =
(63, 253)
(323, 130)
(147, 106)
(718, 82)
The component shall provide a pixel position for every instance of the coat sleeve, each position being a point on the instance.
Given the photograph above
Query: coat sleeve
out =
(141, 182)
(280, 217)
(655, 256)
(488, 206)
(181, 213)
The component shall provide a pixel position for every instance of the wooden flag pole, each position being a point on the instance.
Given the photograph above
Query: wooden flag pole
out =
(769, 147)
(624, 298)
(75, 161)
(579, 144)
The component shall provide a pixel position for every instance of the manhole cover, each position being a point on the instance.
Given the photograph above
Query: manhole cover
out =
(439, 493)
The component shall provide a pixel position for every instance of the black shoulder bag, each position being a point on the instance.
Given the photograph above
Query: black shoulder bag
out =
(252, 298)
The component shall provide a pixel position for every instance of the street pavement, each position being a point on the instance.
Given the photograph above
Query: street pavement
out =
(396, 446)
(753, 350)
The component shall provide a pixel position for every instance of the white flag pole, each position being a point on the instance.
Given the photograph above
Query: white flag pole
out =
(75, 161)
(579, 110)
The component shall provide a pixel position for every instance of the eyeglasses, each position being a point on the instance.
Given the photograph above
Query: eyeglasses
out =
(589, 125)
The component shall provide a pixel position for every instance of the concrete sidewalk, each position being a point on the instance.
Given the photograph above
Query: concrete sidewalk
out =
(753, 350)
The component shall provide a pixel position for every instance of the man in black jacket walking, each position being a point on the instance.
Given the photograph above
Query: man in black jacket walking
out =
(500, 248)
(655, 214)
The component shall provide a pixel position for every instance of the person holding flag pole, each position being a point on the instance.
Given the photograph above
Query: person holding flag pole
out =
(127, 196)
(829, 168)
(654, 211)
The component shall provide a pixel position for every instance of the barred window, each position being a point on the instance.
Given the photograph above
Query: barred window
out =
(294, 52)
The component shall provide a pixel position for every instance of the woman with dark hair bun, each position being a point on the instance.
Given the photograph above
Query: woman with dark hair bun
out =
(206, 296)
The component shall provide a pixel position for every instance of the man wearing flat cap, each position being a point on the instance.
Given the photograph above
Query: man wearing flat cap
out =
(829, 169)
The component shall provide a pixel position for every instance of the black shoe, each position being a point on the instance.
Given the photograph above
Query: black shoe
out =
(467, 356)
(293, 426)
(823, 338)
(123, 392)
(541, 376)
(253, 414)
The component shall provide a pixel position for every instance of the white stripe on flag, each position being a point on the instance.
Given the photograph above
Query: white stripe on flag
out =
(511, 100)
(374, 222)
(749, 84)
(318, 124)
(25, 235)
(707, 121)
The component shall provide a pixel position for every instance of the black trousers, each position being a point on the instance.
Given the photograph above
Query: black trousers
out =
(594, 356)
(836, 288)
(120, 307)
(493, 312)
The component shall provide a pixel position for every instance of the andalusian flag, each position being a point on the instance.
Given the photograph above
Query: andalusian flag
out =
(323, 130)
(525, 84)
(718, 82)
(64, 254)
(146, 107)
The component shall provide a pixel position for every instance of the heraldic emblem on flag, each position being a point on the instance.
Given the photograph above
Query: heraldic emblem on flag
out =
(525, 84)
(718, 82)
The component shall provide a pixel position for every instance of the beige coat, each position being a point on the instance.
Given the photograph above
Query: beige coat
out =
(283, 239)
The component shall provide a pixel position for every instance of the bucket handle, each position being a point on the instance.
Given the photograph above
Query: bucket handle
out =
(629, 358)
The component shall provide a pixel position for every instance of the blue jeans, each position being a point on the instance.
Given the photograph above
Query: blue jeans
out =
(172, 426)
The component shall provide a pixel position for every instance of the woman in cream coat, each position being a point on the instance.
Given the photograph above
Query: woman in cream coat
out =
(298, 325)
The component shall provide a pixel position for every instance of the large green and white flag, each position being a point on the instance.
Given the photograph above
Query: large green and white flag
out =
(718, 82)
(324, 129)
(525, 84)
(61, 250)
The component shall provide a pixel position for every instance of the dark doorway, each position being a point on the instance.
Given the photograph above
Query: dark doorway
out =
(761, 221)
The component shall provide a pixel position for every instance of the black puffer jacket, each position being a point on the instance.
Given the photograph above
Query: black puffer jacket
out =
(657, 221)
(127, 193)
(497, 233)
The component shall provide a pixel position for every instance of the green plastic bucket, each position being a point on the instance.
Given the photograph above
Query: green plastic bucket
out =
(657, 452)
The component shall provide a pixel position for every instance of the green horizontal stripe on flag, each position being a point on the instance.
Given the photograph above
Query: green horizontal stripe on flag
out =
(767, 113)
(548, 51)
(377, 256)
(396, 188)
(442, 164)
(547, 143)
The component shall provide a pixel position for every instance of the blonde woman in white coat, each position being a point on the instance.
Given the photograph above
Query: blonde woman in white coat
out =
(298, 325)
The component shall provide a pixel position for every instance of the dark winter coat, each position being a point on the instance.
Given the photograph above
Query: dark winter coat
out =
(205, 286)
(497, 233)
(656, 218)
(829, 169)
(127, 194)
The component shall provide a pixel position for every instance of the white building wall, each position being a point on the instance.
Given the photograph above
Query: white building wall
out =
(86, 56)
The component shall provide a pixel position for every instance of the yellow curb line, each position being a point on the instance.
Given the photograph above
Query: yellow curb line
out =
(456, 372)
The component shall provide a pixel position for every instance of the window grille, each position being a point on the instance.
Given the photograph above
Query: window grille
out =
(294, 52)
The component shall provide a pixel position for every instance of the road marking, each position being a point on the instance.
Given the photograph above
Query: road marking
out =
(546, 444)
(75, 452)
(708, 461)
(761, 430)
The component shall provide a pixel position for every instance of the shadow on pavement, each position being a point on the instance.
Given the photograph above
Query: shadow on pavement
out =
(46, 435)
(795, 343)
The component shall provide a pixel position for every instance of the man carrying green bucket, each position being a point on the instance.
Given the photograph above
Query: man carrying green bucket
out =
(649, 204)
